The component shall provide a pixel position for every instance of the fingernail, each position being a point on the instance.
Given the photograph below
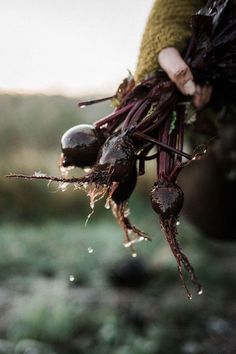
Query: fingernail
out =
(190, 88)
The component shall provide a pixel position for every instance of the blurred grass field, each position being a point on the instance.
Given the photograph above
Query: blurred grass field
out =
(57, 293)
(66, 288)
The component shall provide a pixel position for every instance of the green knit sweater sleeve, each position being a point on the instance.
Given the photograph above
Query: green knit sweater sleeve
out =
(168, 25)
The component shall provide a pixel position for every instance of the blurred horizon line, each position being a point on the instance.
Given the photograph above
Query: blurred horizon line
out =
(93, 94)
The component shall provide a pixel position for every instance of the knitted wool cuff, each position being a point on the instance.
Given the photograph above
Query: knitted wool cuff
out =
(168, 25)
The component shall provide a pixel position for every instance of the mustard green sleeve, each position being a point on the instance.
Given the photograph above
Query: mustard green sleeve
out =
(168, 25)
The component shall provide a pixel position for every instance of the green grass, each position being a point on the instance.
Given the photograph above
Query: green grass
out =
(90, 315)
(61, 247)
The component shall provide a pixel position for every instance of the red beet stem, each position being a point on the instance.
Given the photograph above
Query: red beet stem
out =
(114, 115)
(131, 114)
(89, 103)
(164, 146)
(142, 110)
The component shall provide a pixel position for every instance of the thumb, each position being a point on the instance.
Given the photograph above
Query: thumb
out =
(178, 71)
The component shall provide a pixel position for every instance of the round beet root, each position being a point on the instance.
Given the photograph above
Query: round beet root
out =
(80, 146)
(117, 155)
(167, 199)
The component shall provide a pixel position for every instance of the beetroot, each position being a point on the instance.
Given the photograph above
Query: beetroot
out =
(167, 199)
(118, 154)
(80, 146)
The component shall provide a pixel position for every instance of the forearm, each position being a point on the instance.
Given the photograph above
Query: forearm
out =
(168, 25)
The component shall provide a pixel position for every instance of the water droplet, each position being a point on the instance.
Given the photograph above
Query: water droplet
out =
(200, 292)
(88, 218)
(107, 205)
(87, 169)
(190, 296)
(65, 171)
(134, 254)
(177, 223)
(140, 239)
(199, 152)
(82, 106)
(71, 278)
(39, 174)
(90, 250)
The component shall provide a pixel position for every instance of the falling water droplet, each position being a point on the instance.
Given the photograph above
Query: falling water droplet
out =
(90, 250)
(177, 223)
(88, 218)
(82, 106)
(71, 278)
(134, 254)
(200, 292)
(140, 239)
(199, 152)
(107, 205)
(190, 296)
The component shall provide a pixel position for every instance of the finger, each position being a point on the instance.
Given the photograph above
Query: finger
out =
(178, 71)
(181, 75)
(189, 88)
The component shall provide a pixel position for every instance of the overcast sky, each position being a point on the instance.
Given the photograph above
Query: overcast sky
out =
(69, 46)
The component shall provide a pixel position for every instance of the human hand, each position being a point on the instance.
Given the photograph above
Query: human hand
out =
(178, 71)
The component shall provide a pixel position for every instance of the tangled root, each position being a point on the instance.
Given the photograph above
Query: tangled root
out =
(170, 230)
(121, 212)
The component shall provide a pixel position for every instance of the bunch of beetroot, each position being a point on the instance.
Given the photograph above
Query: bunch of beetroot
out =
(151, 116)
